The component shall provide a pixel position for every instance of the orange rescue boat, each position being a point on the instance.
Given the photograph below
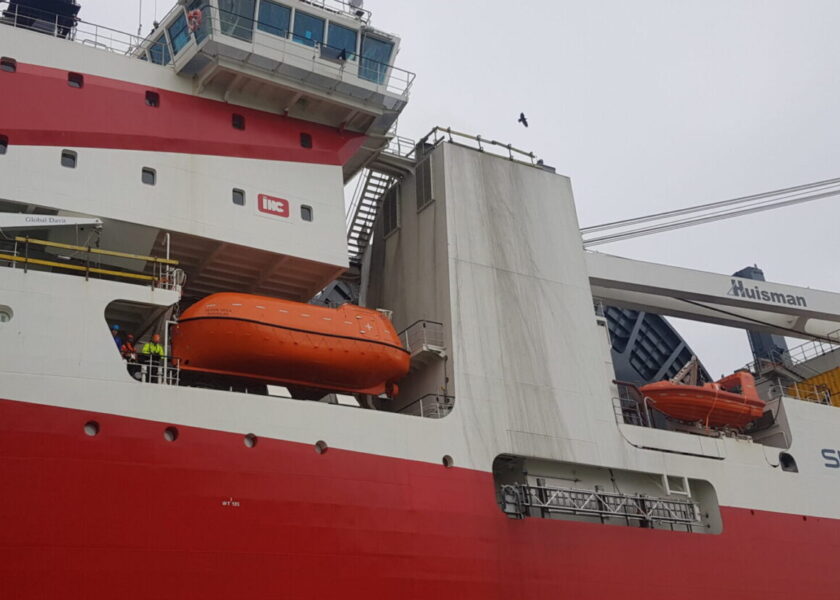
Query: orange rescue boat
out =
(730, 402)
(348, 349)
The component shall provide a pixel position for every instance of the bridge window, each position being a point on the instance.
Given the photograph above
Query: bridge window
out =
(75, 80)
(202, 31)
(306, 212)
(376, 55)
(69, 159)
(159, 51)
(237, 18)
(309, 30)
(8, 64)
(274, 18)
(238, 197)
(179, 34)
(4, 144)
(343, 40)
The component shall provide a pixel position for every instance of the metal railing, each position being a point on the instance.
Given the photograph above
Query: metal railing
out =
(341, 7)
(519, 499)
(164, 274)
(154, 368)
(431, 406)
(70, 28)
(808, 392)
(446, 134)
(797, 356)
(422, 336)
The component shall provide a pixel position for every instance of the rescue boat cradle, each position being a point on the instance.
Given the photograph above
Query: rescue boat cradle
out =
(730, 402)
(348, 349)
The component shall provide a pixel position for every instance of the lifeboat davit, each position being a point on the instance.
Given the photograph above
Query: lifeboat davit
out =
(348, 349)
(731, 402)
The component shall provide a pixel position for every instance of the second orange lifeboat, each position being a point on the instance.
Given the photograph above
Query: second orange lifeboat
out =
(348, 349)
(730, 402)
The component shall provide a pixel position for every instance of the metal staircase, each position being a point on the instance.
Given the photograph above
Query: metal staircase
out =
(373, 185)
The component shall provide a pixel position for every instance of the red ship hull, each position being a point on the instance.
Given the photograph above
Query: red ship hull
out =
(126, 514)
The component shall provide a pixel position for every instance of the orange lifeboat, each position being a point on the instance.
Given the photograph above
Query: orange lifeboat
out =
(731, 402)
(348, 349)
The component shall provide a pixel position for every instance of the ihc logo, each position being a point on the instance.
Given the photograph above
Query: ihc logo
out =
(273, 206)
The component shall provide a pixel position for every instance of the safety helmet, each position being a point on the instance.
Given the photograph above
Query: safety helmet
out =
(115, 327)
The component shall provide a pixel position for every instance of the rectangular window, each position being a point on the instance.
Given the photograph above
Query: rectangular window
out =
(75, 80)
(423, 176)
(152, 99)
(204, 28)
(69, 159)
(274, 18)
(8, 64)
(238, 197)
(309, 30)
(376, 56)
(306, 212)
(305, 140)
(4, 144)
(148, 176)
(236, 18)
(159, 51)
(342, 41)
(238, 122)
(179, 34)
(391, 210)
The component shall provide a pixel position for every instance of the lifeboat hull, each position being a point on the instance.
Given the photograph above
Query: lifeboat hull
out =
(708, 404)
(348, 349)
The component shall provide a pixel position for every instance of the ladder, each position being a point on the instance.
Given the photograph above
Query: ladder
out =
(364, 209)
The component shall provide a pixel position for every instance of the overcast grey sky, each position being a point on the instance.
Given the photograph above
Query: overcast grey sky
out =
(647, 105)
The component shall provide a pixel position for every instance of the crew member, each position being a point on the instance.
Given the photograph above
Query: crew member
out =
(153, 348)
(128, 351)
(115, 331)
(153, 353)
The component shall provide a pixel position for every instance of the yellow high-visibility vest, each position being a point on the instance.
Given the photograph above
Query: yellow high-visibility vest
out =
(152, 348)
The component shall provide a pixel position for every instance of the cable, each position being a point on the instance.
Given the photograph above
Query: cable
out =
(701, 207)
(798, 333)
(769, 205)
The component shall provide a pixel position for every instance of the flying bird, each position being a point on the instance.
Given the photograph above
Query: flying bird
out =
(522, 119)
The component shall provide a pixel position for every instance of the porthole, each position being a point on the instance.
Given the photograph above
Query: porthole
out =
(448, 461)
(75, 80)
(152, 99)
(321, 447)
(238, 197)
(148, 176)
(6, 314)
(238, 122)
(9, 65)
(250, 440)
(69, 159)
(306, 212)
(92, 428)
(170, 434)
(305, 140)
(4, 144)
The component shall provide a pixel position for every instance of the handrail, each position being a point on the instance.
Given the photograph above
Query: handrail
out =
(71, 28)
(49, 263)
(88, 249)
(447, 134)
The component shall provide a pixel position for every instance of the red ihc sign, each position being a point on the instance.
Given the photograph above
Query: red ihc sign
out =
(273, 206)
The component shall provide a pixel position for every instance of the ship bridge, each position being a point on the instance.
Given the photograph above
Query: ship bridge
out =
(318, 60)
